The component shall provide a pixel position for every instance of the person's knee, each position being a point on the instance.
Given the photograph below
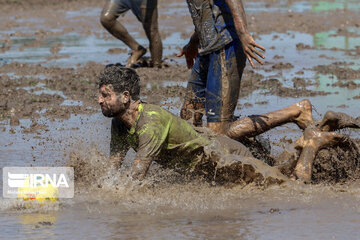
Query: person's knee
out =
(107, 20)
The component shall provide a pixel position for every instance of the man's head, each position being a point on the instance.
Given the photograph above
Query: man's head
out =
(118, 86)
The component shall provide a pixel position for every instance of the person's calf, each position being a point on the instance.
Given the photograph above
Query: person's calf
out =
(313, 141)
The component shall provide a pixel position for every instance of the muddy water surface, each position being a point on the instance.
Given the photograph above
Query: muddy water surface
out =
(48, 70)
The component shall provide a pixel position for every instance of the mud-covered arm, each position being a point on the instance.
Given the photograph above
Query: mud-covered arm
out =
(150, 145)
(249, 45)
(118, 144)
(140, 168)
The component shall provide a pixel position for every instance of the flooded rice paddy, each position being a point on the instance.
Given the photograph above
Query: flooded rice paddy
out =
(49, 67)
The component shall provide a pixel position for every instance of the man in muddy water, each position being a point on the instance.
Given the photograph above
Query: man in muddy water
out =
(146, 12)
(157, 135)
(220, 44)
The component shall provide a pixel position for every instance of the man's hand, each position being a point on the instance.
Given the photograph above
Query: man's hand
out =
(190, 51)
(247, 42)
(139, 169)
(249, 47)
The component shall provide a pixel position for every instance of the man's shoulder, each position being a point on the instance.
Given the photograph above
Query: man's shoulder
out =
(155, 111)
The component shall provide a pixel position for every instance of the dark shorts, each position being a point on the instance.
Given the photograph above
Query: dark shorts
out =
(122, 6)
(215, 81)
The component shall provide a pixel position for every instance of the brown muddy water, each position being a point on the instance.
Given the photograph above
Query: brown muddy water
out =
(48, 70)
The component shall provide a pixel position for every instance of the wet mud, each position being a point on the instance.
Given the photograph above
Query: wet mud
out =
(50, 55)
(35, 91)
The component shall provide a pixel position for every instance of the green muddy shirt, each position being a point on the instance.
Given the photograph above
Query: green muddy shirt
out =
(158, 135)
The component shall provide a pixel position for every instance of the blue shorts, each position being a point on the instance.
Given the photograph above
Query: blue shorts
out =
(215, 81)
(122, 6)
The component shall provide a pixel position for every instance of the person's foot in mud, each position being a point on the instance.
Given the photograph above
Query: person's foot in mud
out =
(305, 118)
(312, 141)
(157, 64)
(253, 125)
(336, 120)
(135, 57)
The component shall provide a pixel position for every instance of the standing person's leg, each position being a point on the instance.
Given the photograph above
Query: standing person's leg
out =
(194, 103)
(150, 23)
(111, 11)
(299, 113)
(223, 85)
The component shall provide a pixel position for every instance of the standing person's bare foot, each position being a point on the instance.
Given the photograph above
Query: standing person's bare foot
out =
(305, 118)
(135, 56)
(313, 141)
(157, 64)
(337, 120)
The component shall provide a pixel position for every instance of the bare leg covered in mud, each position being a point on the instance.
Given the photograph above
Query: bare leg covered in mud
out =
(322, 136)
(313, 141)
(299, 113)
(150, 25)
(148, 17)
(298, 158)
(337, 120)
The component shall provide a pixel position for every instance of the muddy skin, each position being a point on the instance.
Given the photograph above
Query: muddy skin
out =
(248, 43)
(335, 171)
(300, 156)
(69, 80)
(135, 56)
(151, 27)
(193, 112)
(299, 113)
(109, 20)
(297, 159)
(314, 141)
(336, 120)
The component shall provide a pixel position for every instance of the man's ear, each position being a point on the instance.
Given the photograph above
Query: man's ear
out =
(125, 97)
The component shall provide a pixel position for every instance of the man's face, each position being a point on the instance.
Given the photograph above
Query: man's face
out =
(111, 104)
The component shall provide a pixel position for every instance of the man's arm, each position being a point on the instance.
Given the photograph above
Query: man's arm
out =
(118, 144)
(248, 43)
(140, 168)
(151, 142)
(190, 50)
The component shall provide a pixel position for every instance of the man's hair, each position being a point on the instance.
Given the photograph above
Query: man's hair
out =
(122, 79)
